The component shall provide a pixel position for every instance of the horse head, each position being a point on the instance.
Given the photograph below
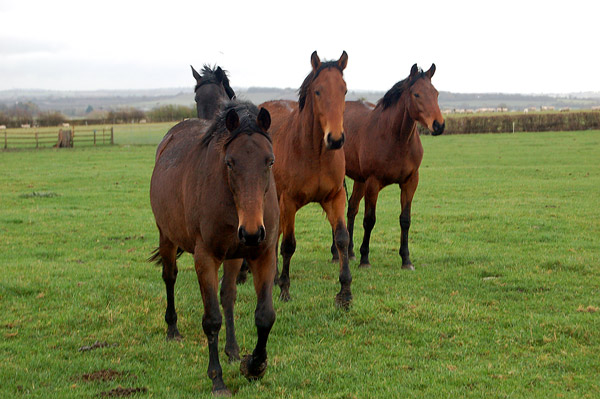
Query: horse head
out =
(423, 100)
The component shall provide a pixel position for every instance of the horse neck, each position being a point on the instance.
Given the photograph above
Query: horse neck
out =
(403, 126)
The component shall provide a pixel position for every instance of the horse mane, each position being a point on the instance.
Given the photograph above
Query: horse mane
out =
(393, 95)
(247, 113)
(303, 90)
(209, 75)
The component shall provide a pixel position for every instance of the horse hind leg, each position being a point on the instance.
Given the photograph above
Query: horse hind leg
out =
(371, 194)
(166, 255)
(358, 192)
(231, 269)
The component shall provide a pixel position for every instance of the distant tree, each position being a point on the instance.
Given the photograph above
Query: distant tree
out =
(89, 109)
(169, 113)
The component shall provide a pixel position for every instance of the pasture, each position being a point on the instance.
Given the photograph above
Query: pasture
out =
(504, 301)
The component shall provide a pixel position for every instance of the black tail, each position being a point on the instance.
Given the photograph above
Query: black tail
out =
(156, 258)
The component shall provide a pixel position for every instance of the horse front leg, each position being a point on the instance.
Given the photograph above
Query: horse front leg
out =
(335, 214)
(371, 194)
(358, 192)
(407, 191)
(254, 366)
(231, 269)
(288, 245)
(207, 271)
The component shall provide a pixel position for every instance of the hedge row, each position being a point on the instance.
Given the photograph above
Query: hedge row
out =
(533, 122)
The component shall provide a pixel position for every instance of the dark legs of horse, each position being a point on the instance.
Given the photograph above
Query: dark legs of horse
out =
(358, 192)
(168, 253)
(253, 366)
(231, 269)
(407, 191)
(371, 194)
(206, 270)
(243, 274)
(288, 246)
(335, 214)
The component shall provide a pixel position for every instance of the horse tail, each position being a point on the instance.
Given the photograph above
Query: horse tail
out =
(156, 258)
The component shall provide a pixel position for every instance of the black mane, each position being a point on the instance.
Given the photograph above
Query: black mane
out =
(247, 113)
(393, 95)
(303, 91)
(209, 75)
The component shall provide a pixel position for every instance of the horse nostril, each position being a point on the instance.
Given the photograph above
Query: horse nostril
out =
(262, 233)
(438, 128)
(242, 234)
(335, 144)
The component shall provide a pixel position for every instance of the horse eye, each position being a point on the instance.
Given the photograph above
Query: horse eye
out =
(229, 164)
(317, 93)
(270, 163)
(417, 95)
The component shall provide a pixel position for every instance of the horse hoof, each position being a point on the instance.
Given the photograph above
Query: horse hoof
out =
(225, 393)
(335, 260)
(173, 334)
(408, 266)
(250, 372)
(233, 355)
(351, 257)
(343, 301)
(284, 296)
(365, 266)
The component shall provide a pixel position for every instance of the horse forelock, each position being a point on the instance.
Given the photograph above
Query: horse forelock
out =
(247, 114)
(393, 95)
(303, 91)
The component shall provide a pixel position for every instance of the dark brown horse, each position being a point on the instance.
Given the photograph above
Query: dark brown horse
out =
(213, 195)
(383, 147)
(212, 89)
(307, 139)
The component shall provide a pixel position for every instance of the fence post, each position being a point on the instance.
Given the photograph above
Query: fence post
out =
(112, 140)
(5, 140)
(94, 136)
(37, 143)
(73, 137)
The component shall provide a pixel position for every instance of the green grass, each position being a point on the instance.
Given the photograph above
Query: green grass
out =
(504, 301)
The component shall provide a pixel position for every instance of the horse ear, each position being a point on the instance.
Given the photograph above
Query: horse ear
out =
(264, 119)
(414, 70)
(232, 120)
(431, 71)
(219, 74)
(315, 61)
(196, 75)
(343, 61)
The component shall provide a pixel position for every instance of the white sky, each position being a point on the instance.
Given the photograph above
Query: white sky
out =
(478, 46)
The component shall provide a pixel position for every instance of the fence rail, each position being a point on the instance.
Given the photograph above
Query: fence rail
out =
(28, 138)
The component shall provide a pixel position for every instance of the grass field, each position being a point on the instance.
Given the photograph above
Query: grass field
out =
(504, 301)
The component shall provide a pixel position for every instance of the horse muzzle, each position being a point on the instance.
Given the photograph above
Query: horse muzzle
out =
(438, 128)
(252, 240)
(333, 144)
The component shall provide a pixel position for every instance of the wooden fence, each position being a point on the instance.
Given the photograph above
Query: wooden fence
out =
(34, 138)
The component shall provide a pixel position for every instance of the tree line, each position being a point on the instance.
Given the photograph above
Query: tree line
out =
(28, 113)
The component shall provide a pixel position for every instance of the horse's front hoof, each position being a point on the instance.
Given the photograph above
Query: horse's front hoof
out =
(173, 334)
(284, 295)
(335, 259)
(343, 300)
(233, 354)
(223, 392)
(364, 266)
(250, 371)
(408, 266)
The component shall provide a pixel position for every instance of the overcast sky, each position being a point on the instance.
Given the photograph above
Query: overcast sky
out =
(503, 46)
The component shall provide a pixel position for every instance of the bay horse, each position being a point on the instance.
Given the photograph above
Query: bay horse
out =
(307, 141)
(213, 195)
(212, 88)
(383, 147)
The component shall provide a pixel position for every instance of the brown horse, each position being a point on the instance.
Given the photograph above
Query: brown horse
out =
(383, 147)
(307, 139)
(213, 195)
(212, 89)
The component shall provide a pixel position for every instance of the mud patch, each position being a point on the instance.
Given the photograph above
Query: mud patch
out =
(96, 345)
(105, 375)
(122, 392)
